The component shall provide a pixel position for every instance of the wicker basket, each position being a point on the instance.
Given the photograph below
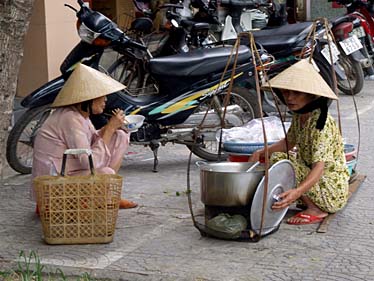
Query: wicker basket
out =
(78, 209)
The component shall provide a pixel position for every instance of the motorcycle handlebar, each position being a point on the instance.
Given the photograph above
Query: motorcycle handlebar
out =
(134, 44)
(71, 7)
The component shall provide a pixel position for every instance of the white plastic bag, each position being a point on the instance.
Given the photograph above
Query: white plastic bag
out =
(251, 132)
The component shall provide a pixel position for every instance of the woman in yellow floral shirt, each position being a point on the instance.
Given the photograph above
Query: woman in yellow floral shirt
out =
(321, 172)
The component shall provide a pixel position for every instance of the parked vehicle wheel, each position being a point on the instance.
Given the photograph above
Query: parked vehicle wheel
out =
(355, 74)
(130, 72)
(248, 109)
(19, 149)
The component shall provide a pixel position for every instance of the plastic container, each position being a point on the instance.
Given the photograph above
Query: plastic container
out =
(246, 148)
(238, 157)
(350, 152)
(351, 165)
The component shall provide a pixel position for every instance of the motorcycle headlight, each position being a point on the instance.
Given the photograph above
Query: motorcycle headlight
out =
(86, 34)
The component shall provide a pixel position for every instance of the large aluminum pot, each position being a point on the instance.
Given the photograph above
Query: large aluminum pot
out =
(228, 184)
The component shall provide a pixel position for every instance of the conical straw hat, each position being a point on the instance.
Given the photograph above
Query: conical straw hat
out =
(86, 83)
(302, 77)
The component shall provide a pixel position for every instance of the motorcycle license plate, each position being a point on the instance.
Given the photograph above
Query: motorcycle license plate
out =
(334, 50)
(359, 32)
(351, 44)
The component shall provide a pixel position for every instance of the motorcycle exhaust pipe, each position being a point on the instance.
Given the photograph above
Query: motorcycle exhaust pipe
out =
(177, 133)
(187, 133)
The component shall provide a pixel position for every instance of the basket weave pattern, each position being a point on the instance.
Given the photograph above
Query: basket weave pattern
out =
(78, 209)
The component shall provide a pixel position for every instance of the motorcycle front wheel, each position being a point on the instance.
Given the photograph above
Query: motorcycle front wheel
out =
(249, 109)
(19, 149)
(131, 73)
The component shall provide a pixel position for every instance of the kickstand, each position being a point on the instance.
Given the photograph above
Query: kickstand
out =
(154, 147)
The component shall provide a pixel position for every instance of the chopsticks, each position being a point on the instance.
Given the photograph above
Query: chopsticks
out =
(110, 115)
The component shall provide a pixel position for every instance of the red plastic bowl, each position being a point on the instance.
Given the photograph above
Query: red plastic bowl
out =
(238, 157)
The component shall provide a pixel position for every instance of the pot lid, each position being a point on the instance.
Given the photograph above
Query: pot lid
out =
(281, 179)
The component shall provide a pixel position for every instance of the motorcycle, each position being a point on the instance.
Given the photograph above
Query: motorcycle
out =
(351, 59)
(354, 59)
(241, 15)
(191, 88)
(362, 11)
(180, 34)
(287, 40)
(285, 43)
(287, 48)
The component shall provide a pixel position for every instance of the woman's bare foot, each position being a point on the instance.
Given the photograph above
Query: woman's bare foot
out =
(312, 214)
(307, 217)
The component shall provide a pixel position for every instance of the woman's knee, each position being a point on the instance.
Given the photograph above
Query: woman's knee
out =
(121, 140)
(122, 135)
(277, 156)
(105, 170)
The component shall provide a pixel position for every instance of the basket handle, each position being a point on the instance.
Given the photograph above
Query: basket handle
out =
(77, 151)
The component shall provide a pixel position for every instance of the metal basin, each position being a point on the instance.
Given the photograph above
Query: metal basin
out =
(228, 184)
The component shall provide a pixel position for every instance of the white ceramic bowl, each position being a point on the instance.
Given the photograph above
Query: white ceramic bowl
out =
(134, 122)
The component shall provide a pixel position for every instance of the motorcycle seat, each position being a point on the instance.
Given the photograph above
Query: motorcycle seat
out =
(142, 24)
(192, 25)
(283, 37)
(117, 99)
(197, 62)
(346, 18)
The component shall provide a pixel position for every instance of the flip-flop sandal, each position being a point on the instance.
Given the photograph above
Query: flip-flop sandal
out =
(127, 204)
(306, 219)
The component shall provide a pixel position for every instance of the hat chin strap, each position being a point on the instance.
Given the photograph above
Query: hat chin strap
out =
(320, 103)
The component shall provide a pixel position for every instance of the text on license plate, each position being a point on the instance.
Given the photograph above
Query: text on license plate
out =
(358, 31)
(351, 44)
(334, 52)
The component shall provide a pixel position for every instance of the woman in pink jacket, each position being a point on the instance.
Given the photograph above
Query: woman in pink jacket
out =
(69, 126)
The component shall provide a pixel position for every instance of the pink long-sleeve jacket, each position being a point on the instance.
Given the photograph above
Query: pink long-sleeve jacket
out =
(66, 128)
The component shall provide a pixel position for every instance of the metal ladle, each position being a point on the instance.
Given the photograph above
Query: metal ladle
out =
(250, 169)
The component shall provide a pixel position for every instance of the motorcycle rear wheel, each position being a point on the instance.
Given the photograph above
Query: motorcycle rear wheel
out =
(239, 96)
(355, 74)
(19, 149)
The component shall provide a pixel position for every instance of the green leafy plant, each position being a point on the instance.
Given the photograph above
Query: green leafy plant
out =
(24, 268)
(29, 268)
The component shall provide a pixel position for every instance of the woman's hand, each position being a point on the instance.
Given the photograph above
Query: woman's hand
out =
(117, 120)
(288, 198)
(257, 155)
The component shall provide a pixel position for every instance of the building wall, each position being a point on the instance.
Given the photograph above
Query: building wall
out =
(323, 8)
(61, 33)
(51, 35)
(34, 66)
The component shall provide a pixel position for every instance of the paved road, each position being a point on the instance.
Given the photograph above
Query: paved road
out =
(157, 240)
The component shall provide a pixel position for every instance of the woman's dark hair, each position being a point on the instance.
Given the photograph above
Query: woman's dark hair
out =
(86, 106)
(321, 102)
